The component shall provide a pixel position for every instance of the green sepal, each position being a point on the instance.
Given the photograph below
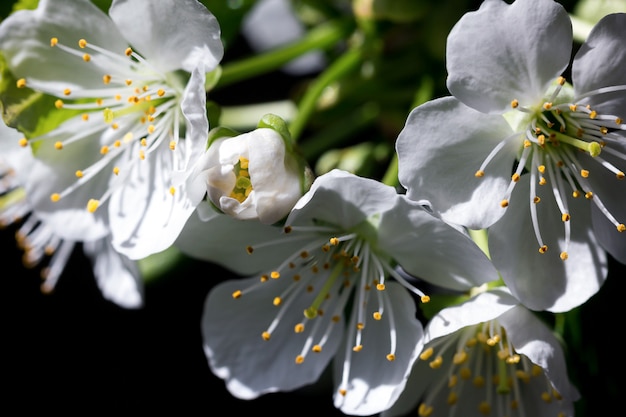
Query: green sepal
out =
(271, 121)
(220, 132)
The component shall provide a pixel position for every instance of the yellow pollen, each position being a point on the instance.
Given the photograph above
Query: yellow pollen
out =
(143, 142)
(67, 92)
(82, 43)
(425, 298)
(58, 145)
(116, 170)
(99, 102)
(377, 315)
(504, 203)
(561, 81)
(21, 83)
(575, 193)
(117, 143)
(541, 139)
(161, 92)
(128, 81)
(54, 41)
(588, 195)
(459, 357)
(23, 142)
(151, 129)
(426, 354)
(391, 357)
(542, 181)
(128, 52)
(316, 348)
(565, 217)
(380, 287)
(621, 227)
(104, 150)
(79, 174)
(515, 177)
(58, 104)
(357, 348)
(106, 79)
(334, 241)
(172, 190)
(298, 328)
(343, 392)
(573, 107)
(584, 173)
(92, 205)
(86, 57)
(237, 294)
(277, 301)
(547, 106)
(563, 256)
(360, 326)
(115, 126)
(593, 114)
(527, 143)
(142, 155)
(479, 174)
(172, 145)
(619, 175)
(85, 117)
(424, 410)
(541, 168)
(514, 103)
(275, 274)
(618, 121)
(265, 335)
(436, 363)
(55, 197)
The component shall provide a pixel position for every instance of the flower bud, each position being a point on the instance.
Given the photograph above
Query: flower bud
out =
(254, 175)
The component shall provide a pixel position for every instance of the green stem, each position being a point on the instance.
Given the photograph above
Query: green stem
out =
(320, 37)
(342, 66)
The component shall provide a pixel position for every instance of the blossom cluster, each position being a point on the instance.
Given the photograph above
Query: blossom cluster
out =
(424, 289)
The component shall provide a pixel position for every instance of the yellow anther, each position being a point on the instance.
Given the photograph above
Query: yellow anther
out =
(357, 348)
(237, 294)
(377, 315)
(161, 92)
(547, 106)
(573, 107)
(504, 203)
(479, 174)
(151, 129)
(92, 205)
(426, 354)
(621, 227)
(79, 173)
(459, 357)
(484, 408)
(58, 104)
(172, 190)
(21, 83)
(116, 170)
(575, 193)
(99, 101)
(542, 181)
(424, 410)
(55, 197)
(593, 114)
(380, 287)
(536, 199)
(58, 145)
(604, 130)
(143, 142)
(584, 173)
(452, 398)
(391, 357)
(565, 217)
(563, 256)
(588, 195)
(514, 103)
(86, 57)
(54, 41)
(265, 335)
(23, 142)
(298, 328)
(360, 326)
(128, 81)
(264, 278)
(106, 79)
(343, 392)
(115, 126)
(85, 117)
(67, 92)
(618, 120)
(436, 363)
(249, 250)
(465, 373)
(82, 43)
(527, 143)
(334, 241)
(561, 81)
(142, 154)
(316, 348)
(172, 145)
(541, 168)
(515, 177)
(545, 396)
(425, 298)
(619, 175)
(275, 274)
(128, 51)
(541, 140)
(277, 301)
(104, 150)
(478, 381)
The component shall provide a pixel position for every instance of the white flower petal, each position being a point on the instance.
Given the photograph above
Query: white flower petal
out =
(440, 149)
(530, 337)
(375, 383)
(503, 52)
(171, 34)
(430, 249)
(25, 43)
(250, 365)
(544, 281)
(117, 277)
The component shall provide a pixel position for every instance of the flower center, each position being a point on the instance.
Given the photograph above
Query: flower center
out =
(554, 135)
(479, 365)
(130, 109)
(243, 185)
(330, 278)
